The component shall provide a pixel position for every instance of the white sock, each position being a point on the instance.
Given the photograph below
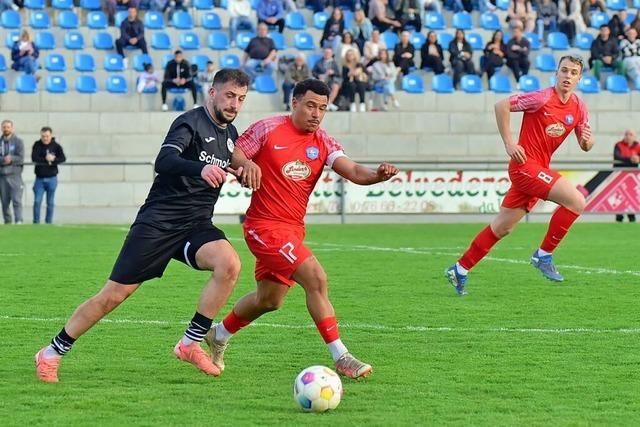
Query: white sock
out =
(543, 253)
(50, 352)
(337, 349)
(186, 340)
(222, 335)
(461, 269)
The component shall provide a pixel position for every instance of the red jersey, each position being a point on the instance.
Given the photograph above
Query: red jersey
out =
(547, 122)
(291, 161)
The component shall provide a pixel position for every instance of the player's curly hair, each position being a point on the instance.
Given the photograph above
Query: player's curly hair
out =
(225, 75)
(314, 85)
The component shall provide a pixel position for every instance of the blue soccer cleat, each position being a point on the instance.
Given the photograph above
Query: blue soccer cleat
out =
(545, 264)
(456, 279)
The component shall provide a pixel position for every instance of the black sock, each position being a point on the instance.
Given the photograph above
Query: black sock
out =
(198, 327)
(62, 342)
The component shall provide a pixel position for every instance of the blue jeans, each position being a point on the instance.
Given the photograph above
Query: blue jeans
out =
(254, 67)
(28, 64)
(40, 186)
(239, 23)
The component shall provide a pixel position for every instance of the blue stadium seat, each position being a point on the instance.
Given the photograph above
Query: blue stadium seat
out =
(630, 18)
(243, 38)
(534, 40)
(278, 40)
(68, 20)
(139, 61)
(320, 19)
(56, 84)
(3, 85)
(617, 5)
(11, 38)
(500, 83)
(211, 21)
(462, 20)
(471, 83)
(218, 41)
(589, 84)
(442, 83)
(413, 83)
(182, 20)
(84, 63)
(3, 63)
(117, 83)
(552, 80)
(502, 4)
(434, 21)
(265, 84)
(97, 20)
(545, 62)
(636, 4)
(637, 83)
(203, 4)
(557, 41)
(598, 19)
(75, 40)
(62, 4)
(312, 59)
(417, 39)
(475, 40)
(10, 19)
(444, 39)
(200, 61)
(617, 84)
(490, 21)
(103, 41)
(295, 21)
(154, 20)
(121, 15)
(34, 4)
(529, 83)
(189, 40)
(160, 40)
(390, 39)
(165, 60)
(348, 18)
(303, 41)
(39, 20)
(224, 4)
(584, 41)
(45, 40)
(113, 62)
(229, 60)
(90, 4)
(86, 84)
(55, 63)
(26, 83)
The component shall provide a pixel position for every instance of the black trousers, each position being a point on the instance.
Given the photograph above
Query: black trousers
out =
(167, 84)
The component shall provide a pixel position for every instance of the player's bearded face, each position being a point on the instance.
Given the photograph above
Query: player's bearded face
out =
(226, 102)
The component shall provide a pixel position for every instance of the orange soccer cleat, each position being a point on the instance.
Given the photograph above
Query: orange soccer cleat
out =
(351, 367)
(195, 355)
(47, 367)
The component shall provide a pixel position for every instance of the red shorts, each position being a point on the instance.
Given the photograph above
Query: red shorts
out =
(279, 250)
(529, 182)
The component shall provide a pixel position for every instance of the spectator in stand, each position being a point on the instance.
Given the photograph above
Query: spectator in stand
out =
(346, 45)
(296, 72)
(408, 13)
(630, 48)
(547, 18)
(460, 57)
(604, 52)
(384, 74)
(333, 29)
(372, 48)
(494, 54)
(589, 7)
(239, 18)
(326, 69)
(260, 54)
(361, 29)
(431, 54)
(112, 5)
(131, 33)
(176, 5)
(403, 54)
(382, 16)
(8, 5)
(618, 26)
(47, 154)
(354, 80)
(147, 80)
(205, 79)
(518, 49)
(522, 11)
(570, 19)
(11, 163)
(626, 154)
(271, 12)
(429, 6)
(24, 54)
(177, 74)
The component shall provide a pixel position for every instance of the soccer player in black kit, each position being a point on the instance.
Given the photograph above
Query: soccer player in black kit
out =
(175, 223)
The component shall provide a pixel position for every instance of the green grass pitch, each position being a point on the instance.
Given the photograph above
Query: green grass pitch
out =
(519, 350)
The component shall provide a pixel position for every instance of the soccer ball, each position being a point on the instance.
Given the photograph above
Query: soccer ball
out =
(317, 389)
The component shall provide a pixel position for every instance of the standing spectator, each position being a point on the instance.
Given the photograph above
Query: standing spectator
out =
(333, 29)
(47, 154)
(630, 48)
(205, 79)
(460, 57)
(131, 33)
(326, 69)
(239, 18)
(382, 16)
(361, 29)
(260, 54)
(177, 74)
(570, 19)
(384, 74)
(589, 7)
(11, 186)
(112, 5)
(494, 54)
(617, 25)
(604, 52)
(346, 45)
(296, 72)
(271, 12)
(403, 54)
(518, 53)
(407, 12)
(354, 80)
(521, 11)
(147, 80)
(372, 48)
(626, 154)
(431, 54)
(547, 18)
(24, 54)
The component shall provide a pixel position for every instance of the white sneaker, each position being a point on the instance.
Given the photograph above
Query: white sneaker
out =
(195, 106)
(352, 107)
(15, 7)
(363, 107)
(165, 107)
(332, 107)
(385, 107)
(396, 103)
(125, 63)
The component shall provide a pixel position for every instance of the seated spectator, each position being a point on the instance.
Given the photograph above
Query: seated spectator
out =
(112, 5)
(346, 45)
(408, 14)
(131, 33)
(630, 48)
(429, 6)
(431, 54)
(521, 11)
(8, 5)
(570, 19)
(333, 29)
(460, 57)
(24, 54)
(239, 18)
(296, 72)
(403, 54)
(382, 16)
(155, 5)
(547, 18)
(205, 80)
(372, 48)
(494, 54)
(326, 69)
(626, 154)
(384, 74)
(271, 12)
(617, 25)
(485, 6)
(589, 7)
(260, 54)
(176, 5)
(147, 80)
(354, 81)
(361, 29)
(177, 74)
(459, 5)
(518, 49)
(604, 52)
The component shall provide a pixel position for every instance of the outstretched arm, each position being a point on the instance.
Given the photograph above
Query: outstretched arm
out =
(358, 174)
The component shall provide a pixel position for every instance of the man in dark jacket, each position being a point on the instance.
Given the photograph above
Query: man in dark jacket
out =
(131, 33)
(47, 154)
(626, 154)
(518, 54)
(11, 161)
(604, 52)
(177, 74)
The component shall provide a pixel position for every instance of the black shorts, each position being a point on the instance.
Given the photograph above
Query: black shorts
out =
(147, 250)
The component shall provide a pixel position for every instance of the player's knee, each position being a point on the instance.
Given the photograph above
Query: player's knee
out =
(270, 302)
(578, 205)
(318, 281)
(229, 271)
(110, 300)
(501, 230)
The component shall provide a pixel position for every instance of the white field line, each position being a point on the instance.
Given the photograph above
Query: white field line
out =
(354, 326)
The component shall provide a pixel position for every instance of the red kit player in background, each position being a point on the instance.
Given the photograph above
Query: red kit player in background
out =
(283, 157)
(549, 117)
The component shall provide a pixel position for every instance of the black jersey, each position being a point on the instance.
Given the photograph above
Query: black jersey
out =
(179, 197)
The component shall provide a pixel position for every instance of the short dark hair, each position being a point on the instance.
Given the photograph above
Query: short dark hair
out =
(46, 129)
(147, 66)
(573, 58)
(177, 52)
(604, 26)
(225, 75)
(316, 86)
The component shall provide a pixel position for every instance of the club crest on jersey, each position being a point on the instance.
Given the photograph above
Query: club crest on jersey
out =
(313, 153)
(568, 119)
(230, 144)
(555, 130)
(296, 170)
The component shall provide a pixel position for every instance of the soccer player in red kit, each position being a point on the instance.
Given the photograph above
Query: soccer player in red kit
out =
(283, 157)
(549, 117)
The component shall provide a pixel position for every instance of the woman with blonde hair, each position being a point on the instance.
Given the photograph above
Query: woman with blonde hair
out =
(24, 54)
(354, 80)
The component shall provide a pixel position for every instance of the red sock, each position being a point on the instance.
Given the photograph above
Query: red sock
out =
(328, 328)
(479, 248)
(233, 323)
(559, 225)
